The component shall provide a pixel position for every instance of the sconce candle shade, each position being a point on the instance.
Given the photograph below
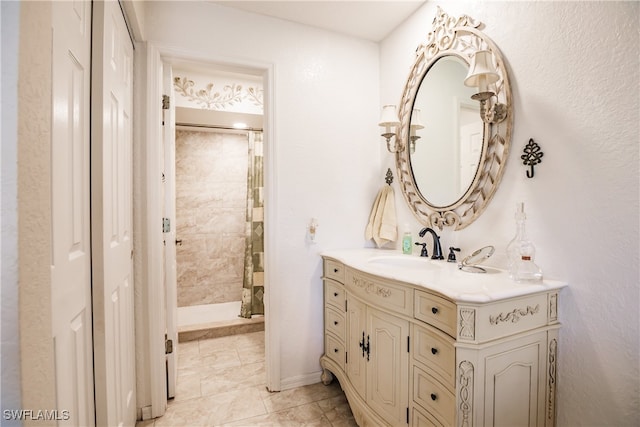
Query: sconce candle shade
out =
(390, 121)
(482, 71)
(389, 117)
(416, 122)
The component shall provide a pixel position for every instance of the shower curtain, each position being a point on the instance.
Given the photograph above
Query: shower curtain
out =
(253, 281)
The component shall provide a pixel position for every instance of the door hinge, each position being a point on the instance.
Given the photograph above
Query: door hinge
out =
(165, 102)
(166, 225)
(168, 346)
(408, 344)
(346, 357)
(407, 415)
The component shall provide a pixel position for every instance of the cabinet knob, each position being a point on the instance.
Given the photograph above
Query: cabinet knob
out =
(335, 350)
(335, 294)
(434, 310)
(335, 322)
(335, 270)
(434, 350)
(433, 396)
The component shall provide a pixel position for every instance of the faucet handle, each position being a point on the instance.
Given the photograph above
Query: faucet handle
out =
(423, 252)
(452, 255)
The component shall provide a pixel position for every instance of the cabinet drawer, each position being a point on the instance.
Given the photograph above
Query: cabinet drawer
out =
(334, 270)
(420, 418)
(433, 396)
(435, 351)
(334, 322)
(334, 349)
(379, 292)
(436, 311)
(509, 317)
(334, 294)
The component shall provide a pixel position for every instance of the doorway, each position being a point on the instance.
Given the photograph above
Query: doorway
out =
(214, 200)
(218, 264)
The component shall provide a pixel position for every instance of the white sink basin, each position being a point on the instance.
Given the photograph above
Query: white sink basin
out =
(405, 261)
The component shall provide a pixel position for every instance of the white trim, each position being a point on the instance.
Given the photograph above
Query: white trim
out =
(272, 314)
(169, 248)
(10, 304)
(148, 246)
(155, 291)
(134, 18)
(149, 299)
(301, 380)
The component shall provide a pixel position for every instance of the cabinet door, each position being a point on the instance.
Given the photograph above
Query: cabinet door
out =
(388, 367)
(356, 361)
(514, 383)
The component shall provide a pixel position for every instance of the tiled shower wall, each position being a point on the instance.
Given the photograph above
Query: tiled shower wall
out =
(211, 181)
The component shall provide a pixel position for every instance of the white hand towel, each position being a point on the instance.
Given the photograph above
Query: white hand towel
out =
(369, 230)
(388, 226)
(382, 227)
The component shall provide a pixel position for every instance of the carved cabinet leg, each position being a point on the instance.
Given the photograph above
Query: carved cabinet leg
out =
(326, 377)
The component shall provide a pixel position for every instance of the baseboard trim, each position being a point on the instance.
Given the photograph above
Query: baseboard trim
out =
(300, 380)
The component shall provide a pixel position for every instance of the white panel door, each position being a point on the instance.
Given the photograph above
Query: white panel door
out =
(471, 137)
(111, 163)
(70, 204)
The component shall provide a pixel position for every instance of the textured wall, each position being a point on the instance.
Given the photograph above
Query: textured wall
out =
(34, 209)
(211, 198)
(575, 74)
(320, 152)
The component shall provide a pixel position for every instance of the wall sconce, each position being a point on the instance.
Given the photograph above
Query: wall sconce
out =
(482, 74)
(415, 125)
(390, 121)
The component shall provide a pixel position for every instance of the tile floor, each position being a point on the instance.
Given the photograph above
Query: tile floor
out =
(221, 382)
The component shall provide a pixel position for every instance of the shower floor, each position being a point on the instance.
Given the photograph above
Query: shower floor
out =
(215, 320)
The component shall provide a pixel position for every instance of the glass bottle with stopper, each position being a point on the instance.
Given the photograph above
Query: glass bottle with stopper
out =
(521, 252)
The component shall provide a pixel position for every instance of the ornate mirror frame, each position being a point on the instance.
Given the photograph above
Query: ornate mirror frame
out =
(460, 37)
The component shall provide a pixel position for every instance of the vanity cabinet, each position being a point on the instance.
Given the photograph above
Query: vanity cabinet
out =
(406, 354)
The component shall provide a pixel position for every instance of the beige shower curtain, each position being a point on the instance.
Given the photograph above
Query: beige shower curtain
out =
(253, 283)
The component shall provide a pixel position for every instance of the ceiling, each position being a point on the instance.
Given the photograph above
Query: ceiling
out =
(367, 19)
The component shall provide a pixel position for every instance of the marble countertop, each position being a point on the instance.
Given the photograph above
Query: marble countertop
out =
(439, 275)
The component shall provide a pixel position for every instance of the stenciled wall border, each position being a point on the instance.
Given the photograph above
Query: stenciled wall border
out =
(220, 93)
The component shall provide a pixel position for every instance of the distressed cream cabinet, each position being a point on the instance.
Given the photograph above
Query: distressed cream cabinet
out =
(410, 354)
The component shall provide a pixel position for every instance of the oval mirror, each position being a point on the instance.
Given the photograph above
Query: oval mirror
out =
(445, 146)
(455, 136)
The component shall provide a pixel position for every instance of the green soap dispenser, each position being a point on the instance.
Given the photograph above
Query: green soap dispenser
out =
(407, 247)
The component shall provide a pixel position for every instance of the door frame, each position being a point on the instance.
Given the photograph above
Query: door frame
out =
(272, 318)
(170, 242)
(148, 243)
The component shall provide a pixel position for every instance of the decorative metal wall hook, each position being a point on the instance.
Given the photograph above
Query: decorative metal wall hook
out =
(532, 156)
(389, 177)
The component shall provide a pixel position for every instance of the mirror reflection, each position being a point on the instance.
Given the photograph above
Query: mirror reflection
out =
(446, 133)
